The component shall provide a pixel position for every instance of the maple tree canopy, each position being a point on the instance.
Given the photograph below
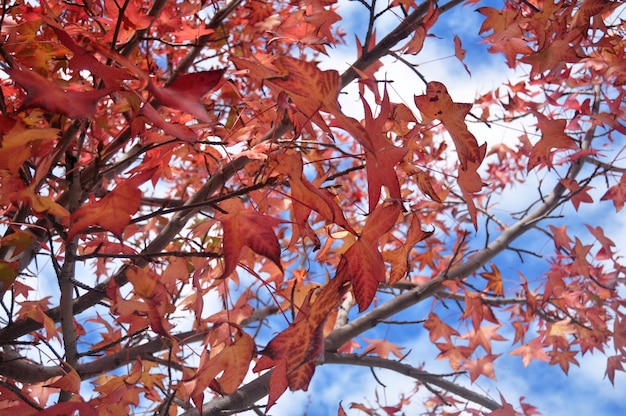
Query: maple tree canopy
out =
(199, 207)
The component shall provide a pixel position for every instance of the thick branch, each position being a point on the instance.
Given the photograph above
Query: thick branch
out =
(407, 370)
(21, 369)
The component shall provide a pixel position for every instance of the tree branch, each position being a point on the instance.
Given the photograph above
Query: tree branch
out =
(409, 371)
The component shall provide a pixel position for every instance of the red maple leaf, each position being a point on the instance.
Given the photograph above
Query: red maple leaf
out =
(380, 163)
(307, 197)
(365, 264)
(399, 259)
(563, 359)
(232, 362)
(617, 193)
(296, 351)
(578, 194)
(82, 59)
(185, 93)
(113, 211)
(242, 228)
(47, 95)
(437, 104)
(553, 136)
(481, 366)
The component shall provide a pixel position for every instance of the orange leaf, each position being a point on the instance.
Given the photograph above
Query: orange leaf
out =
(250, 229)
(424, 182)
(307, 197)
(69, 382)
(438, 329)
(16, 145)
(43, 204)
(113, 211)
(459, 52)
(399, 258)
(382, 348)
(494, 281)
(232, 361)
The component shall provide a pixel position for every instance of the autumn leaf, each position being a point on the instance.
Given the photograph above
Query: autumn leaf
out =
(307, 197)
(533, 350)
(380, 163)
(399, 259)
(578, 194)
(43, 204)
(554, 56)
(437, 104)
(186, 91)
(17, 144)
(178, 131)
(365, 264)
(481, 366)
(113, 211)
(242, 228)
(382, 348)
(605, 252)
(47, 95)
(483, 337)
(69, 382)
(439, 329)
(560, 237)
(456, 355)
(425, 183)
(617, 193)
(505, 410)
(614, 363)
(552, 136)
(459, 52)
(294, 351)
(298, 78)
(494, 281)
(8, 273)
(232, 362)
(563, 359)
(82, 59)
